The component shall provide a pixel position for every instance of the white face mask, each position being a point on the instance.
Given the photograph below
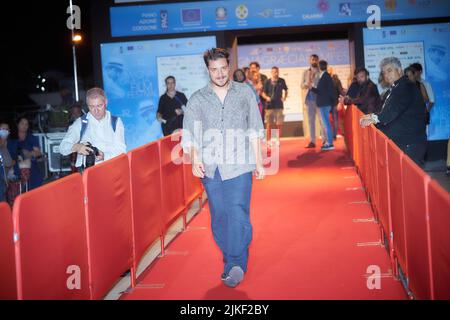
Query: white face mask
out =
(4, 133)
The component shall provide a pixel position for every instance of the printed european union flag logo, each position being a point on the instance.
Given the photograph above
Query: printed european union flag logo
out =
(191, 16)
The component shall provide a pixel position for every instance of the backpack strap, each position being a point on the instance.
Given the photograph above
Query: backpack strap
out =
(84, 123)
(114, 122)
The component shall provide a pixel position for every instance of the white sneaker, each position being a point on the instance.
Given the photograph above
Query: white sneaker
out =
(234, 277)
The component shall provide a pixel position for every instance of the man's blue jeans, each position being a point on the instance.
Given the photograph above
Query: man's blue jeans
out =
(229, 203)
(326, 125)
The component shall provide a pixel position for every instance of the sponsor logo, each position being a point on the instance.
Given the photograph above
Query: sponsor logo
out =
(221, 13)
(312, 16)
(345, 9)
(191, 16)
(323, 5)
(242, 12)
(164, 16)
(266, 13)
(390, 4)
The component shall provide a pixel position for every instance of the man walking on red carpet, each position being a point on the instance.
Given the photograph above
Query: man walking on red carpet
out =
(222, 131)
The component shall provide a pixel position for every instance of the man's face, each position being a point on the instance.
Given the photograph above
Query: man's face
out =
(219, 72)
(361, 77)
(314, 62)
(97, 107)
(240, 76)
(275, 74)
(170, 84)
(391, 73)
(254, 68)
(411, 76)
(418, 75)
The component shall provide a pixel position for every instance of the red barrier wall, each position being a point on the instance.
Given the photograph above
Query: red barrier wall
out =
(8, 288)
(366, 172)
(348, 129)
(51, 251)
(415, 182)
(395, 158)
(439, 217)
(373, 191)
(398, 190)
(172, 179)
(109, 216)
(383, 184)
(145, 174)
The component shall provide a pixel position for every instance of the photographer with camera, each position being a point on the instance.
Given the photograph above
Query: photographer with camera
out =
(96, 136)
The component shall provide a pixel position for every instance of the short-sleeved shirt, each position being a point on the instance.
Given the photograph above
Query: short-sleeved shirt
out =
(222, 132)
(29, 143)
(275, 91)
(167, 105)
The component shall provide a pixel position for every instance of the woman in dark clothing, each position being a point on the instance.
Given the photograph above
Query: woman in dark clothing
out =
(29, 152)
(170, 108)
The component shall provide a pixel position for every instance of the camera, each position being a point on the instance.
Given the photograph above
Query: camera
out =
(90, 158)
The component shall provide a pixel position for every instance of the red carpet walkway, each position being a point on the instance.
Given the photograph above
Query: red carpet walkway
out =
(309, 240)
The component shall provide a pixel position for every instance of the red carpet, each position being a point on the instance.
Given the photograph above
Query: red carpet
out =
(306, 242)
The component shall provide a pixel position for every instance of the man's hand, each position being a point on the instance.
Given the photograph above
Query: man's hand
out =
(27, 154)
(81, 149)
(198, 169)
(259, 172)
(100, 157)
(366, 120)
(178, 111)
(342, 99)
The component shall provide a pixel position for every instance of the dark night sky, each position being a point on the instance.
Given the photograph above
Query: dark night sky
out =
(36, 39)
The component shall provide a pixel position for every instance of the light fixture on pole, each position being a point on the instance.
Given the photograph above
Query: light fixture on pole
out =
(76, 38)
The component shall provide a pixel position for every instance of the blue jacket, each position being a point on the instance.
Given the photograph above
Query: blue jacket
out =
(325, 91)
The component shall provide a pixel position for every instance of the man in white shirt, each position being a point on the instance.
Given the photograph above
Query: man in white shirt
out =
(99, 128)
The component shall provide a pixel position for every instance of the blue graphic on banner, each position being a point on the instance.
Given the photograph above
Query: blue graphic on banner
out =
(427, 44)
(294, 54)
(250, 14)
(293, 59)
(133, 78)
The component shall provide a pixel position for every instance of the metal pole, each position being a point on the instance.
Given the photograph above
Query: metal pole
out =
(75, 74)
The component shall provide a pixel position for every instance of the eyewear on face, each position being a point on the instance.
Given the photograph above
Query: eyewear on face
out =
(96, 106)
